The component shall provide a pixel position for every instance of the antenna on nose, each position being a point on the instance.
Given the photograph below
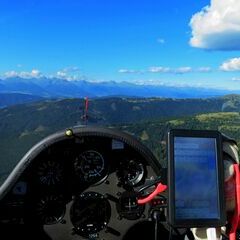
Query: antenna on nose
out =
(85, 111)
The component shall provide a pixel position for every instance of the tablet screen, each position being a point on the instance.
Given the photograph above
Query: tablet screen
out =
(196, 179)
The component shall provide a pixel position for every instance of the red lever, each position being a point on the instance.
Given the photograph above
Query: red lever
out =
(160, 188)
(236, 219)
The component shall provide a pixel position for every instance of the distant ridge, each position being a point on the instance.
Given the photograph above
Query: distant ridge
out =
(56, 87)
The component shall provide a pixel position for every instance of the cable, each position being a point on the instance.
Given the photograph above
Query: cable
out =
(156, 230)
(170, 234)
(171, 229)
(189, 234)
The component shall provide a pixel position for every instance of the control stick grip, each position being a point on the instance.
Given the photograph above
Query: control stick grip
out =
(160, 188)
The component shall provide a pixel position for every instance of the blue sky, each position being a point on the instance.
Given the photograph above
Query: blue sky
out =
(147, 42)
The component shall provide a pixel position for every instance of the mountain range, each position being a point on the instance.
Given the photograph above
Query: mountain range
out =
(62, 88)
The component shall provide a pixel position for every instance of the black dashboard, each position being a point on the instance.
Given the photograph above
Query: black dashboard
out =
(81, 183)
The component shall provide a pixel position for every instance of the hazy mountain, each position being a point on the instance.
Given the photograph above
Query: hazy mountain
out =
(55, 87)
(2, 85)
(20, 85)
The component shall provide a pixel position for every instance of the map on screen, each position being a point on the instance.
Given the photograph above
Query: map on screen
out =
(196, 184)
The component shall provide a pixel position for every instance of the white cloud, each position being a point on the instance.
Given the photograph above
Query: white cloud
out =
(69, 77)
(23, 74)
(148, 82)
(204, 69)
(61, 74)
(129, 71)
(11, 74)
(161, 40)
(236, 78)
(179, 70)
(169, 70)
(159, 69)
(182, 70)
(230, 65)
(35, 73)
(71, 69)
(67, 71)
(70, 73)
(160, 82)
(217, 26)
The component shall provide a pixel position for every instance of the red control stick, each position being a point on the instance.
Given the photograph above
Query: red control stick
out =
(160, 188)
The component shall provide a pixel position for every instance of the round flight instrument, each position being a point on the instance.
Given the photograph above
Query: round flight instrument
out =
(90, 165)
(131, 172)
(90, 213)
(50, 172)
(128, 206)
(50, 209)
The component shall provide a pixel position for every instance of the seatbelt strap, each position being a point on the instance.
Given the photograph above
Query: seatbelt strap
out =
(236, 218)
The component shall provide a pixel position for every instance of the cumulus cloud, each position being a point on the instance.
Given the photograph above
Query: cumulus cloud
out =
(204, 69)
(35, 73)
(231, 65)
(69, 73)
(129, 71)
(154, 82)
(217, 26)
(61, 74)
(24, 74)
(182, 70)
(71, 69)
(159, 69)
(11, 74)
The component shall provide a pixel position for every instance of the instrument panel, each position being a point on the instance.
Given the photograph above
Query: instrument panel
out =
(80, 188)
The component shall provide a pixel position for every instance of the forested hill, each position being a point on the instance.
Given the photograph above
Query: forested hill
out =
(110, 110)
(153, 133)
(24, 125)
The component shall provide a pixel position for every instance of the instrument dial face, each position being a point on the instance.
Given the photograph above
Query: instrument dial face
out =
(90, 213)
(130, 172)
(90, 165)
(128, 206)
(50, 172)
(50, 209)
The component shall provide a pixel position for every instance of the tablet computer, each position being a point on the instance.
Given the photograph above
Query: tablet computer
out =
(195, 179)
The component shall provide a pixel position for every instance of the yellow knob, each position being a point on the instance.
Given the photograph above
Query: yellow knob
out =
(69, 132)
